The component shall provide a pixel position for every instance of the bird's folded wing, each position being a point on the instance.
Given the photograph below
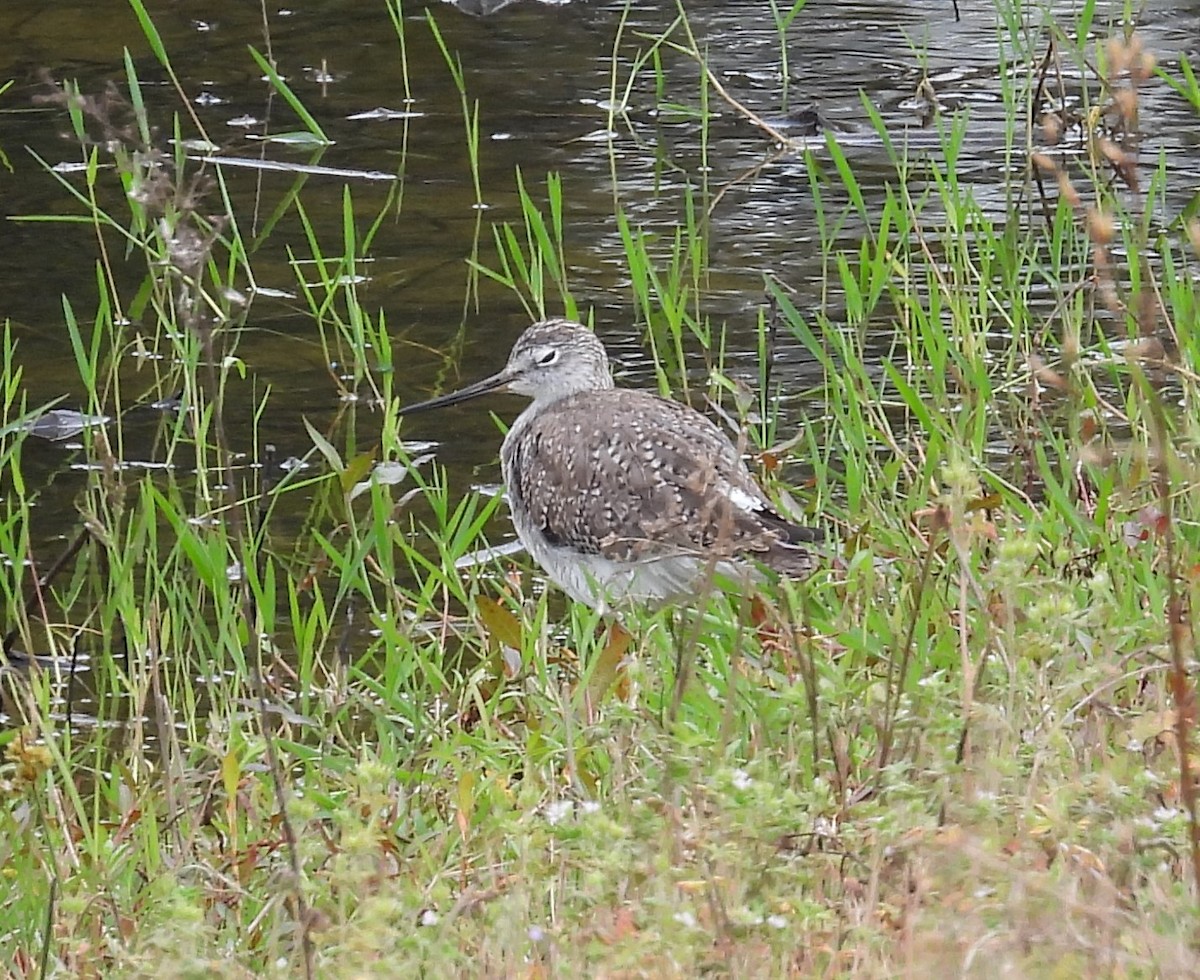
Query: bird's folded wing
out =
(638, 477)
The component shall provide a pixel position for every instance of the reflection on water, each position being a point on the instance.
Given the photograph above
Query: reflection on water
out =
(542, 76)
(544, 79)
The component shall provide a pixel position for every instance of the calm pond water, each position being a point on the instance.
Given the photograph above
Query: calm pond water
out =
(541, 74)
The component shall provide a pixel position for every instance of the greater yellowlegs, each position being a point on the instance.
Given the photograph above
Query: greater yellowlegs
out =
(620, 494)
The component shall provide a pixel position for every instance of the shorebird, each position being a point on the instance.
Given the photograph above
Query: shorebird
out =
(621, 495)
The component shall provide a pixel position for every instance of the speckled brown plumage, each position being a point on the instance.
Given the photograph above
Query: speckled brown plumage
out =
(618, 493)
(630, 476)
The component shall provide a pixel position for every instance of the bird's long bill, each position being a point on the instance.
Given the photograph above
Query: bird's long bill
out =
(494, 383)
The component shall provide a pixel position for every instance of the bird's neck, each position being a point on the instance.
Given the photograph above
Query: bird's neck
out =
(553, 396)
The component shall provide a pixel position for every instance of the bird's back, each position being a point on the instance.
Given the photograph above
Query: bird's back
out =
(631, 477)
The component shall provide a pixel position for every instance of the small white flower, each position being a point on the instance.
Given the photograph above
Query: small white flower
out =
(589, 806)
(429, 918)
(557, 811)
(685, 919)
(536, 934)
(741, 779)
(777, 921)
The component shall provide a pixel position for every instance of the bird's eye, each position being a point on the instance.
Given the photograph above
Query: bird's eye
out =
(547, 357)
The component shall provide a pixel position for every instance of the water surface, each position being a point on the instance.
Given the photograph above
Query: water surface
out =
(541, 75)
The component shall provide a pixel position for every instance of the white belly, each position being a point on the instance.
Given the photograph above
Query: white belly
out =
(603, 584)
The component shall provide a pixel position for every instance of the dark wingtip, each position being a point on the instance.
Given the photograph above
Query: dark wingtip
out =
(791, 559)
(793, 533)
(789, 556)
(802, 534)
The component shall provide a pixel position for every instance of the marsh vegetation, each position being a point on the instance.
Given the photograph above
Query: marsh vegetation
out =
(282, 713)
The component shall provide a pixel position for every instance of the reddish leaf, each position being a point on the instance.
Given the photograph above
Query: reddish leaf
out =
(608, 663)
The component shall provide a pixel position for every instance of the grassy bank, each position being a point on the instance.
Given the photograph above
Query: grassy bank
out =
(314, 745)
